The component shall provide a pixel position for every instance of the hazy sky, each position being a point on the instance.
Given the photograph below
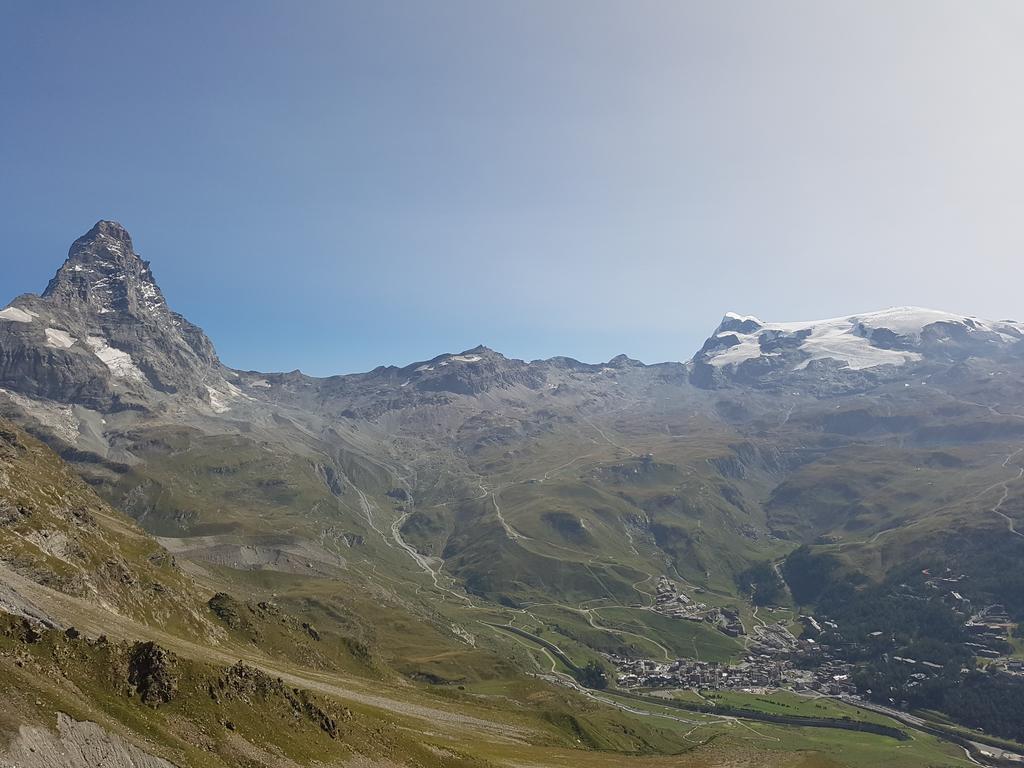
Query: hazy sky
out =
(331, 186)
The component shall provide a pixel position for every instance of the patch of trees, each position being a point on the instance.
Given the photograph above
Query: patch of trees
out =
(891, 630)
(592, 676)
(994, 565)
(910, 625)
(993, 702)
(763, 583)
(882, 626)
(808, 574)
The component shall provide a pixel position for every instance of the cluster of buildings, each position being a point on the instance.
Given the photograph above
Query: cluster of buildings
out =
(756, 672)
(773, 639)
(778, 659)
(726, 620)
(1013, 667)
(830, 676)
(669, 601)
(989, 627)
(944, 582)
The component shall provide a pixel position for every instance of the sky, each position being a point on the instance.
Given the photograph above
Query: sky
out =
(331, 186)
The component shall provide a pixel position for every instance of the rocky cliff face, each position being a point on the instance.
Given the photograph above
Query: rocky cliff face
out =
(101, 335)
(104, 275)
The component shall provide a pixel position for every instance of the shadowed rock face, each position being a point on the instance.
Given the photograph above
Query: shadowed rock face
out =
(151, 670)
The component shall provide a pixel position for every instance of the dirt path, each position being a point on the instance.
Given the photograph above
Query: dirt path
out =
(608, 440)
(997, 509)
(368, 508)
(94, 620)
(511, 532)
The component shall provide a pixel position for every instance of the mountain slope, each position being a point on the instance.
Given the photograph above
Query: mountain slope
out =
(410, 513)
(55, 531)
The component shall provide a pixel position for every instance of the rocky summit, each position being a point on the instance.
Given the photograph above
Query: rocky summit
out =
(103, 274)
(101, 335)
(807, 528)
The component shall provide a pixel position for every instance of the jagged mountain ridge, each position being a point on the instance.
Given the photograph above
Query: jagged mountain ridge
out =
(101, 365)
(102, 336)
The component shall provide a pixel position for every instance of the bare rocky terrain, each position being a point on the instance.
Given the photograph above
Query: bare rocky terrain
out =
(74, 745)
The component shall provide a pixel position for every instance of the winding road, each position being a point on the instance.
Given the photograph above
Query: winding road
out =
(997, 509)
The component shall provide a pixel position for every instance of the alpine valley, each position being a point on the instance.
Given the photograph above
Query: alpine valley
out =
(802, 547)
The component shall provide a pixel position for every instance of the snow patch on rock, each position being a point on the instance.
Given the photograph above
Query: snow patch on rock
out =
(221, 399)
(911, 321)
(218, 400)
(15, 315)
(742, 318)
(58, 339)
(119, 362)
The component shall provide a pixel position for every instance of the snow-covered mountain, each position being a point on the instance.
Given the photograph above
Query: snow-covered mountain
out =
(747, 349)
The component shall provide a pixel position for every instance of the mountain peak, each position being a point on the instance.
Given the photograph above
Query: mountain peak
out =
(740, 323)
(106, 240)
(110, 229)
(104, 274)
(104, 317)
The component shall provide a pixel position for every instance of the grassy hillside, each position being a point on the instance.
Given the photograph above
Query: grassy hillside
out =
(55, 531)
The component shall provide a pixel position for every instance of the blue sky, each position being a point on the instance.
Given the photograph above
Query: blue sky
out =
(331, 186)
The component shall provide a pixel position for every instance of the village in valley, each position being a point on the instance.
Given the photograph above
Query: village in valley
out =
(777, 659)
